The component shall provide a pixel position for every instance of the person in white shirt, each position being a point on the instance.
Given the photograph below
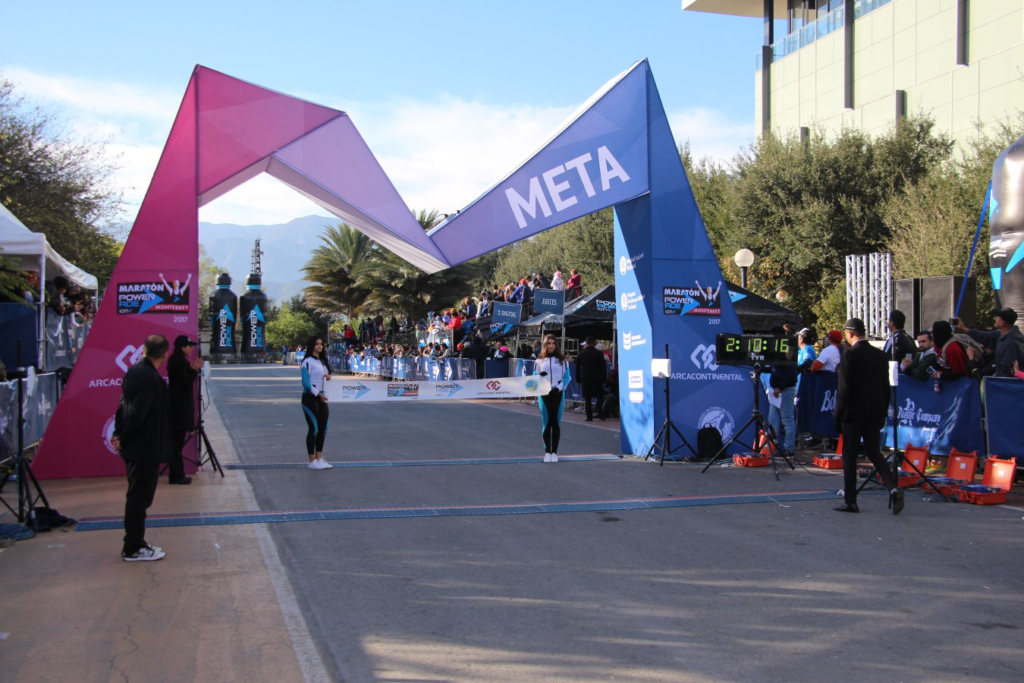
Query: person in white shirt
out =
(553, 365)
(828, 360)
(315, 373)
(556, 282)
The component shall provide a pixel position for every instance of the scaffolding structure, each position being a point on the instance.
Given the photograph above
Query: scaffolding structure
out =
(869, 291)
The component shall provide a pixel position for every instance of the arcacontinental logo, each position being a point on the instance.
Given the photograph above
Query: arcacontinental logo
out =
(629, 340)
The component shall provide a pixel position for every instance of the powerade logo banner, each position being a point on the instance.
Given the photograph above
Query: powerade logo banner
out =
(226, 327)
(692, 300)
(136, 298)
(256, 323)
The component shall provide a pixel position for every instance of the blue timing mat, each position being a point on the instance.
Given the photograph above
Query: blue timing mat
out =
(422, 463)
(264, 517)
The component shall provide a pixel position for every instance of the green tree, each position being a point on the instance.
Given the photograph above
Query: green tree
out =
(586, 244)
(58, 185)
(289, 327)
(802, 207)
(331, 271)
(208, 272)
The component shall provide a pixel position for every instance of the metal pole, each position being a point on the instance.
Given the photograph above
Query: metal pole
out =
(743, 277)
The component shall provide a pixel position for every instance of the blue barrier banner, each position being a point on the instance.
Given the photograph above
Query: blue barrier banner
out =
(495, 368)
(805, 403)
(20, 323)
(549, 301)
(950, 419)
(1003, 400)
(823, 406)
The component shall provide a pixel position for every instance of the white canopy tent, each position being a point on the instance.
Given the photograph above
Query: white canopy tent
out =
(31, 251)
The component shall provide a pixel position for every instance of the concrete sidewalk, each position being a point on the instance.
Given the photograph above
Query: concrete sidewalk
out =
(218, 608)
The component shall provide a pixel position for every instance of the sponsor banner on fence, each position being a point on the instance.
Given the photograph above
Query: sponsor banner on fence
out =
(348, 389)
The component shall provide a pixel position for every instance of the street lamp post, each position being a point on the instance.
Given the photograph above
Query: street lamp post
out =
(744, 259)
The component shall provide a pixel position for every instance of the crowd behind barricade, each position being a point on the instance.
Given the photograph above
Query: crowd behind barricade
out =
(947, 352)
(68, 312)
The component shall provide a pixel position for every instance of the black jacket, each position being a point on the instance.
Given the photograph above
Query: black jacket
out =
(1009, 347)
(181, 383)
(143, 419)
(904, 347)
(863, 386)
(591, 369)
(783, 376)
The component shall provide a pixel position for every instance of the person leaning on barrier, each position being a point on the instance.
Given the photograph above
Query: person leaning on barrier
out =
(919, 366)
(142, 437)
(1005, 342)
(862, 403)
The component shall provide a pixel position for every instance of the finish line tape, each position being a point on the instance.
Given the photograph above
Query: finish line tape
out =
(262, 517)
(421, 463)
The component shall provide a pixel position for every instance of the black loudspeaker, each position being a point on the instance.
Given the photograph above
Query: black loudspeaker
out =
(938, 297)
(908, 300)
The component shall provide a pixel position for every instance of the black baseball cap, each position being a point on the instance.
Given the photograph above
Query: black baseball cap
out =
(1008, 315)
(183, 340)
(855, 325)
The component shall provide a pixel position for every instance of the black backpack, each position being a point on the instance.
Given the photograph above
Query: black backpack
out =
(709, 442)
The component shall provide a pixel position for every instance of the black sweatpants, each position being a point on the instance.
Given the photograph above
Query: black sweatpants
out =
(590, 393)
(872, 435)
(142, 480)
(317, 416)
(551, 417)
(176, 466)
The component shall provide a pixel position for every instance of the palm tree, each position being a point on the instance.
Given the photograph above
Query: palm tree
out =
(332, 270)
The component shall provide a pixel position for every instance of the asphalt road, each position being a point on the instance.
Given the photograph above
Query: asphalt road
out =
(745, 592)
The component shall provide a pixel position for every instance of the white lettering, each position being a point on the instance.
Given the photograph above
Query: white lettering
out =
(609, 167)
(536, 199)
(556, 189)
(577, 164)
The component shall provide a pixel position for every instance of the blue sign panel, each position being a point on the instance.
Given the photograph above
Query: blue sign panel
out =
(548, 301)
(506, 314)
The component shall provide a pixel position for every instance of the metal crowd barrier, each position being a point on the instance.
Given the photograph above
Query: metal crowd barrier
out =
(412, 369)
(40, 400)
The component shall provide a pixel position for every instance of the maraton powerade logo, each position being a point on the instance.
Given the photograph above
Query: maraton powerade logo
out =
(692, 300)
(136, 298)
(404, 390)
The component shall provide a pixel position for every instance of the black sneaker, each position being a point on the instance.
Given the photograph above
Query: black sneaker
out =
(184, 481)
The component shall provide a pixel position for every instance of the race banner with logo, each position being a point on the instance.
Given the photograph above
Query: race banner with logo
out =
(941, 421)
(1003, 398)
(352, 390)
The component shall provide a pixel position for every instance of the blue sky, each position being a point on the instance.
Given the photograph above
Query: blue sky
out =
(449, 95)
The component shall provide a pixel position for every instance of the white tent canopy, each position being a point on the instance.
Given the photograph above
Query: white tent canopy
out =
(30, 249)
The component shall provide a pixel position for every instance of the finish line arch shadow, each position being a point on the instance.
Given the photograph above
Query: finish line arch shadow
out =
(616, 150)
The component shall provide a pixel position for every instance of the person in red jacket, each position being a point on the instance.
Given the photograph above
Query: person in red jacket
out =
(574, 286)
(952, 358)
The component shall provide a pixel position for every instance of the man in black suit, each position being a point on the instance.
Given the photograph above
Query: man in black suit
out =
(862, 404)
(142, 437)
(592, 371)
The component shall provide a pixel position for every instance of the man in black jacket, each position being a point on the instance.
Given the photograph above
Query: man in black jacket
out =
(862, 403)
(142, 436)
(592, 371)
(181, 380)
(1006, 342)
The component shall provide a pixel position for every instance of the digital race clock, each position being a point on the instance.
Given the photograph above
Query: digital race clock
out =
(753, 349)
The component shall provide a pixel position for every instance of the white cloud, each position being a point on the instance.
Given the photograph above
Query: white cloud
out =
(440, 154)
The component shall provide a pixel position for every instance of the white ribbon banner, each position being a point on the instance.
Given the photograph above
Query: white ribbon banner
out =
(352, 390)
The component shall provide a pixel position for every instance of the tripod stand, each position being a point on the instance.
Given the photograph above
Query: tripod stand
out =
(202, 440)
(663, 441)
(761, 426)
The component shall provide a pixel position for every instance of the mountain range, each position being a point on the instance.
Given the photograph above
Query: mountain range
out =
(286, 249)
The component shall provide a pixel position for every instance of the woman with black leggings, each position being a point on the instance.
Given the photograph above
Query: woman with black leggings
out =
(553, 365)
(315, 372)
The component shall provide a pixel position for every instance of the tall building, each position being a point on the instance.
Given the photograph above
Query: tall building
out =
(866, 63)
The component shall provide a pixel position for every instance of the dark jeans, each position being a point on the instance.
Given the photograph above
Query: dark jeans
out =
(142, 480)
(853, 432)
(592, 393)
(176, 466)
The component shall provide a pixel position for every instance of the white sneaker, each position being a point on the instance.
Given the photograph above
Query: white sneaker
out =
(324, 465)
(554, 457)
(547, 457)
(315, 465)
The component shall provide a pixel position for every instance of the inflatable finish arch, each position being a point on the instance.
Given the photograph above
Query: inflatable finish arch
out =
(616, 150)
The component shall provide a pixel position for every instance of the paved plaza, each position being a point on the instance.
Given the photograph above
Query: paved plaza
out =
(503, 568)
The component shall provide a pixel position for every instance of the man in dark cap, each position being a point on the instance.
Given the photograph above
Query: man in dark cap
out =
(142, 438)
(862, 403)
(1006, 342)
(181, 380)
